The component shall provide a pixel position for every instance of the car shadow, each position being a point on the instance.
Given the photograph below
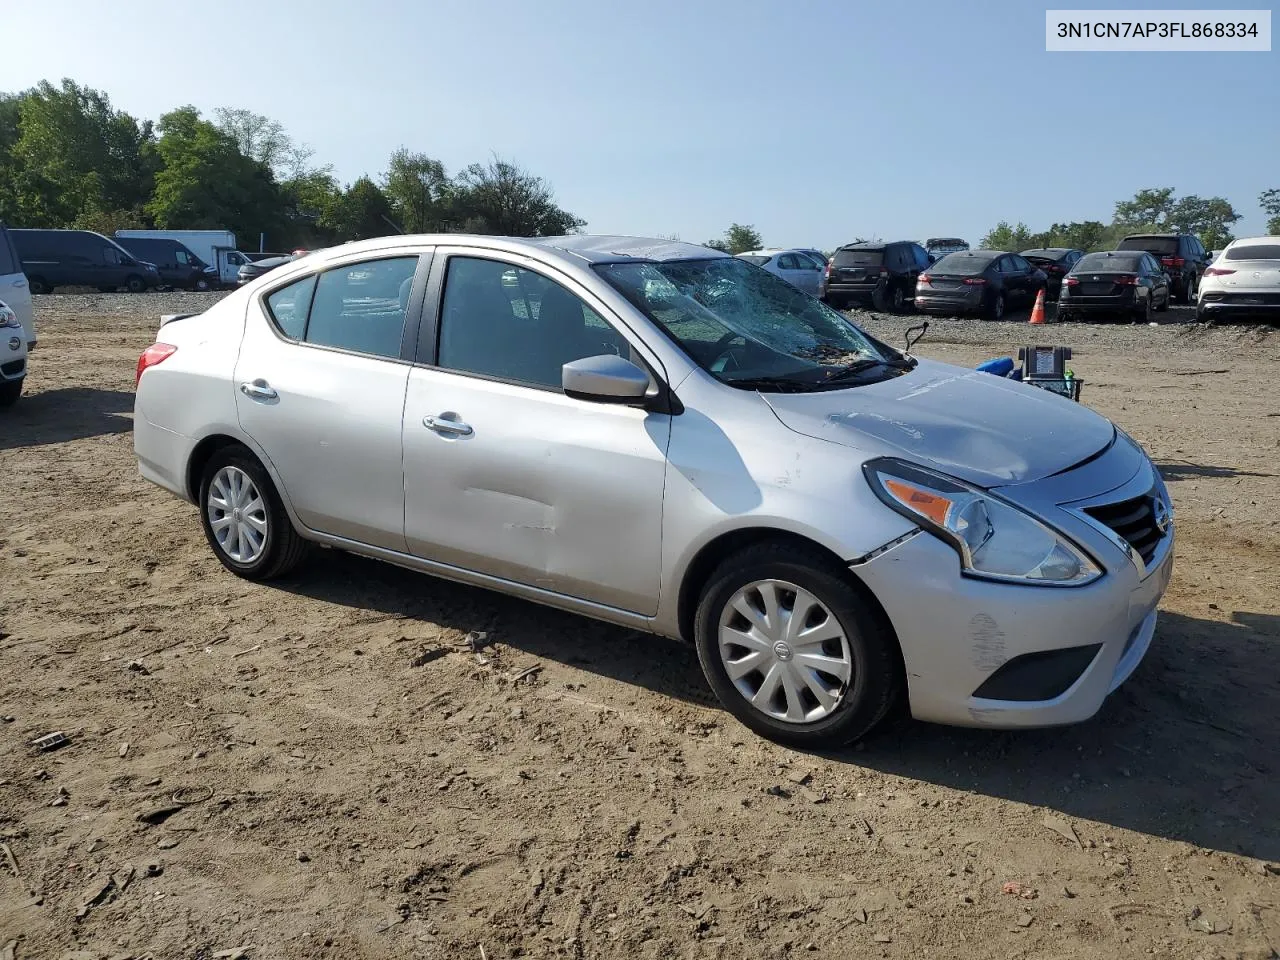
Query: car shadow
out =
(69, 413)
(1187, 750)
(665, 666)
(1173, 470)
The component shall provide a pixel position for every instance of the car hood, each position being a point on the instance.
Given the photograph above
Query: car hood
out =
(972, 425)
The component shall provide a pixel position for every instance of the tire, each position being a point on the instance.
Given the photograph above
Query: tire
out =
(279, 548)
(994, 310)
(1164, 304)
(1066, 316)
(10, 391)
(899, 302)
(201, 285)
(1146, 314)
(135, 284)
(865, 645)
(38, 285)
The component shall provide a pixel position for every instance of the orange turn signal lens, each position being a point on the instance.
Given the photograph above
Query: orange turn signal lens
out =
(923, 502)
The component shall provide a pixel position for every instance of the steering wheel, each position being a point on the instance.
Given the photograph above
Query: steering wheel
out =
(720, 349)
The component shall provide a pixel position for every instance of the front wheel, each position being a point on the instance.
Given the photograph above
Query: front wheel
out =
(38, 285)
(793, 650)
(10, 391)
(244, 520)
(135, 284)
(1189, 290)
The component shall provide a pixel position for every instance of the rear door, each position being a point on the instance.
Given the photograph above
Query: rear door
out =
(320, 386)
(14, 290)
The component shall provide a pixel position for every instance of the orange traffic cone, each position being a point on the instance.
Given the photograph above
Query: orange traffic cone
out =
(1037, 312)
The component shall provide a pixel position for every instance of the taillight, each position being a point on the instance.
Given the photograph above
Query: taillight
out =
(1173, 261)
(1217, 272)
(974, 281)
(1072, 281)
(1127, 280)
(827, 272)
(924, 280)
(156, 353)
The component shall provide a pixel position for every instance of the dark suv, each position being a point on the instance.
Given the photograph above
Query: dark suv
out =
(882, 274)
(1183, 257)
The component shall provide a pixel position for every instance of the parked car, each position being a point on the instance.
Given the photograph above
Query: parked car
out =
(216, 248)
(1128, 282)
(1056, 262)
(665, 437)
(252, 270)
(177, 265)
(1183, 257)
(63, 258)
(939, 247)
(14, 290)
(1243, 282)
(817, 255)
(979, 281)
(13, 356)
(876, 273)
(797, 268)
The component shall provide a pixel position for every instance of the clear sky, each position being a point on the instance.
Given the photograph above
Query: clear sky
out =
(815, 120)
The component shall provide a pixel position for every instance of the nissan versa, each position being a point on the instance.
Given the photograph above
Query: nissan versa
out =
(672, 439)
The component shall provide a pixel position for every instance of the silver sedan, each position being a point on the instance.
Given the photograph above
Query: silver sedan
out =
(667, 438)
(798, 268)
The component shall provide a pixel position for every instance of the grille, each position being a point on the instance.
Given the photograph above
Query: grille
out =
(13, 367)
(1134, 521)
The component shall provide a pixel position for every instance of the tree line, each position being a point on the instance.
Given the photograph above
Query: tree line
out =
(1154, 209)
(69, 159)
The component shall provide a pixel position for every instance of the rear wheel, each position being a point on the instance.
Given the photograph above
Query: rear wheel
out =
(1145, 313)
(243, 518)
(10, 391)
(995, 307)
(1164, 302)
(793, 649)
(135, 284)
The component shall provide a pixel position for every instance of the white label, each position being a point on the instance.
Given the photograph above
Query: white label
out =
(1135, 31)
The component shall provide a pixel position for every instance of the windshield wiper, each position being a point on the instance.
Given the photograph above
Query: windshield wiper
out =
(772, 384)
(868, 363)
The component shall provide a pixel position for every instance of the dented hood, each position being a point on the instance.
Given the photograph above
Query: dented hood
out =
(975, 426)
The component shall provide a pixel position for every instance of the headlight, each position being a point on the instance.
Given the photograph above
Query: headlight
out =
(8, 318)
(995, 540)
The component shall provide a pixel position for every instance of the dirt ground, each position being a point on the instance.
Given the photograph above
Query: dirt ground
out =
(331, 771)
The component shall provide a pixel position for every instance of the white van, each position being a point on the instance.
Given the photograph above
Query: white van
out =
(14, 292)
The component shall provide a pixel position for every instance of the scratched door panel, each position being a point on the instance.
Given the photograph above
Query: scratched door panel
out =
(557, 493)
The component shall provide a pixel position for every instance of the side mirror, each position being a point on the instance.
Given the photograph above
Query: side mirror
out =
(604, 379)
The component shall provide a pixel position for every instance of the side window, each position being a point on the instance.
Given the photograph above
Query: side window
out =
(361, 306)
(922, 256)
(1002, 265)
(502, 321)
(180, 256)
(788, 262)
(1021, 263)
(110, 255)
(288, 307)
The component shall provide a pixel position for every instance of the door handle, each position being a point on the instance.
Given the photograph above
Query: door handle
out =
(443, 425)
(259, 390)
(20, 283)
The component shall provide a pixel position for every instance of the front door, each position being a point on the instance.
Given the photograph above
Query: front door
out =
(504, 474)
(320, 386)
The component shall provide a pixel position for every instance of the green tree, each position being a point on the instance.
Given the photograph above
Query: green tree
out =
(363, 211)
(743, 237)
(1148, 210)
(1005, 237)
(1270, 202)
(206, 182)
(1209, 218)
(419, 191)
(720, 244)
(76, 155)
(1085, 235)
(265, 140)
(502, 199)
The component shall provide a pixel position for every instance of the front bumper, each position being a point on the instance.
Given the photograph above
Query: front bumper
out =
(957, 632)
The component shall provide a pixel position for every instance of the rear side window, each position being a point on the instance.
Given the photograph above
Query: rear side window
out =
(788, 261)
(1252, 251)
(8, 258)
(858, 258)
(361, 306)
(758, 261)
(289, 305)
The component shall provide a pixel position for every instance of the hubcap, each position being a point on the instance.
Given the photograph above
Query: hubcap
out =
(238, 515)
(785, 651)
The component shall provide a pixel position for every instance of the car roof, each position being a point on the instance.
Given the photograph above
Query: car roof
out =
(985, 254)
(1057, 250)
(1241, 241)
(872, 244)
(1142, 236)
